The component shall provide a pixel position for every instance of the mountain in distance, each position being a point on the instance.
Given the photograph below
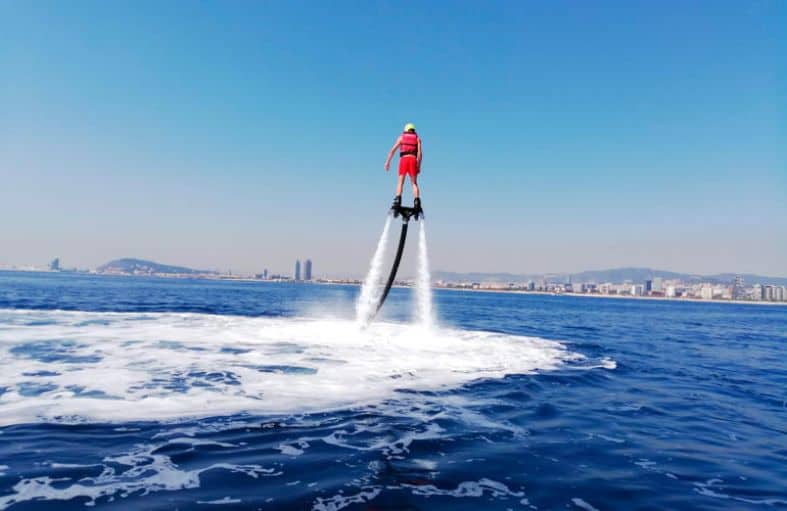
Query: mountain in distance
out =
(615, 275)
(749, 279)
(451, 276)
(633, 274)
(140, 266)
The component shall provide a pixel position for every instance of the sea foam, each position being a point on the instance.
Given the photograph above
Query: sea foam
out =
(86, 366)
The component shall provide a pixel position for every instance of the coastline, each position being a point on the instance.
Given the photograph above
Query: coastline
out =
(574, 295)
(455, 289)
(615, 297)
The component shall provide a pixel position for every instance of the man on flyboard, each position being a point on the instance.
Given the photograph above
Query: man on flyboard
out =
(410, 153)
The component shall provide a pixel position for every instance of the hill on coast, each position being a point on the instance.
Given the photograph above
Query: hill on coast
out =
(136, 266)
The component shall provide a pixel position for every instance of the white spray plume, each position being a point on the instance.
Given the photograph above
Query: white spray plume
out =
(423, 283)
(371, 290)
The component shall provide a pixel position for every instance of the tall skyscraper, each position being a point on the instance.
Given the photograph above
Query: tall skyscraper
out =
(307, 270)
(658, 284)
(298, 269)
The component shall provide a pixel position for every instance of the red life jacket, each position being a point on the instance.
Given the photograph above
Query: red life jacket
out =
(409, 144)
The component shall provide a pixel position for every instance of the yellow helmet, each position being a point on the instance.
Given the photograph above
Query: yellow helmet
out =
(409, 127)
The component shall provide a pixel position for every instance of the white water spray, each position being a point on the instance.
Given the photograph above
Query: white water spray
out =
(423, 283)
(371, 290)
(115, 366)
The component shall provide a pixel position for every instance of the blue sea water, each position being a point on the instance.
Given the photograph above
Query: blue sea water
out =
(145, 393)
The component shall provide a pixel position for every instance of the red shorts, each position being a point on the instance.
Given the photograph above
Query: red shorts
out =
(408, 165)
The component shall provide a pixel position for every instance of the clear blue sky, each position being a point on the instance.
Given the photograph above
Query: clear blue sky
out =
(558, 136)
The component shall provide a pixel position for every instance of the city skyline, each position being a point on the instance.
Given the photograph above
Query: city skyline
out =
(650, 278)
(45, 262)
(618, 283)
(549, 145)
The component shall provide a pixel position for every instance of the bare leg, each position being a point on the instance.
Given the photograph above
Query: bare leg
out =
(400, 185)
(414, 180)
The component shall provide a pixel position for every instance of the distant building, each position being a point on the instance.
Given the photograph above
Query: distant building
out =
(637, 290)
(738, 290)
(55, 264)
(658, 284)
(265, 274)
(648, 286)
(706, 293)
(307, 270)
(531, 286)
(298, 270)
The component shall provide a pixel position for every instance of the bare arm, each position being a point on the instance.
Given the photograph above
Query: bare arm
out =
(391, 153)
(420, 153)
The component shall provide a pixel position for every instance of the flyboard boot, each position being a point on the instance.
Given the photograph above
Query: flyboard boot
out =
(396, 206)
(417, 210)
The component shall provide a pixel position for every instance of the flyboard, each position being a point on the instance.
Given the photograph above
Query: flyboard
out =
(416, 213)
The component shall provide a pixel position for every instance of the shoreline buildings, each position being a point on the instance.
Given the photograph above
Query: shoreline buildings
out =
(307, 270)
(656, 287)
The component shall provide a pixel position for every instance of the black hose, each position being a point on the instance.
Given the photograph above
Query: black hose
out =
(395, 267)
